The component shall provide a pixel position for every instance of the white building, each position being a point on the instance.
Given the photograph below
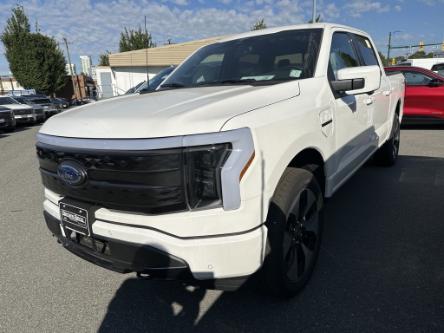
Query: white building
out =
(127, 69)
(70, 69)
(86, 64)
(426, 63)
(9, 85)
(94, 73)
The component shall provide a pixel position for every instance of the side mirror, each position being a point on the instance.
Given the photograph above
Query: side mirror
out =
(358, 80)
(435, 83)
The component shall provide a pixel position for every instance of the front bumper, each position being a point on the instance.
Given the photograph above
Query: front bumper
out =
(51, 112)
(7, 123)
(25, 119)
(200, 258)
(122, 257)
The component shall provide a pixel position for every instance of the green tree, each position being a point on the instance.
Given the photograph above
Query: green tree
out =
(383, 59)
(104, 58)
(259, 24)
(131, 39)
(421, 54)
(34, 59)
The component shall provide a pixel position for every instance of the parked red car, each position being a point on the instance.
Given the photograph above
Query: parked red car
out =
(424, 94)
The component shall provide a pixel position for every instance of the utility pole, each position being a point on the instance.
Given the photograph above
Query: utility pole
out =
(71, 70)
(146, 56)
(389, 47)
(313, 19)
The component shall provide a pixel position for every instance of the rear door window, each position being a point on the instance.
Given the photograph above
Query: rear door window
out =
(366, 51)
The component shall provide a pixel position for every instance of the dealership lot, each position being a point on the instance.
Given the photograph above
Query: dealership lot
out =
(381, 266)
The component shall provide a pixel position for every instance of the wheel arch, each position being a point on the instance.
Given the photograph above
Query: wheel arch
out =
(309, 158)
(312, 160)
(398, 109)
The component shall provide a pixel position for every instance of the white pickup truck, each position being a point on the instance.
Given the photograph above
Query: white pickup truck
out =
(223, 172)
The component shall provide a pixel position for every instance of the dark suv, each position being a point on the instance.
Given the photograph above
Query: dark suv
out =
(7, 119)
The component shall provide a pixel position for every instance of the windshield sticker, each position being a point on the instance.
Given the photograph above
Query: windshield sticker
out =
(296, 73)
(258, 77)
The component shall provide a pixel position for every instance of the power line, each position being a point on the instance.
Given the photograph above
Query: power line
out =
(410, 46)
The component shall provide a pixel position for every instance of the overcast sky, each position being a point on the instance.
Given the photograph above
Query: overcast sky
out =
(93, 26)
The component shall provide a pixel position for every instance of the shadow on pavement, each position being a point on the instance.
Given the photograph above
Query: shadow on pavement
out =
(381, 268)
(19, 128)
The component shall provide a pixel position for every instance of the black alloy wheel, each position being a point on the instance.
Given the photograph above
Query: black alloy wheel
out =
(294, 225)
(301, 236)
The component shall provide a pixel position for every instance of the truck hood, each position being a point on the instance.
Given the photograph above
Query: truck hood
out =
(17, 106)
(166, 113)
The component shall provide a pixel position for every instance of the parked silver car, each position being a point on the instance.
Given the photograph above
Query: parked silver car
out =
(48, 107)
(23, 113)
(38, 109)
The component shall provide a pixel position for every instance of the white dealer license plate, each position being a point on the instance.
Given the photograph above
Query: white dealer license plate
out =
(74, 218)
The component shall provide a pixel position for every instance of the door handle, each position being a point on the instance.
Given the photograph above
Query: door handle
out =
(368, 101)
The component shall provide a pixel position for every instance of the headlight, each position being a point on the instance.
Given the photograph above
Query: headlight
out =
(203, 167)
(231, 167)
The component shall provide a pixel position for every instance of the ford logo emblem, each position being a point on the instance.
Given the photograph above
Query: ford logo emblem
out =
(71, 173)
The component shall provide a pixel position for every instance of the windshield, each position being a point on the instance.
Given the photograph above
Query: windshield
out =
(133, 89)
(20, 100)
(156, 81)
(439, 67)
(7, 100)
(41, 101)
(266, 59)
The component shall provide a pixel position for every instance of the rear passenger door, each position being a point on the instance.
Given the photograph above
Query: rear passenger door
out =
(352, 124)
(377, 103)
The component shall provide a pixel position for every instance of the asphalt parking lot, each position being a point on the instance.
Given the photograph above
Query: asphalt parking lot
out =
(381, 266)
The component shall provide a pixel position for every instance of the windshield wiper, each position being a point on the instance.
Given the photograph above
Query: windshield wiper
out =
(234, 81)
(224, 82)
(172, 85)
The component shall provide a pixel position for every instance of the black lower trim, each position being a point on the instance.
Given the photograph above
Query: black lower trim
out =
(120, 256)
(148, 262)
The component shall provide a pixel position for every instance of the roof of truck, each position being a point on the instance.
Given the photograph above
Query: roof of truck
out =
(174, 54)
(290, 27)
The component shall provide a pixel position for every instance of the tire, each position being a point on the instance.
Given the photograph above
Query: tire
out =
(10, 129)
(388, 153)
(294, 222)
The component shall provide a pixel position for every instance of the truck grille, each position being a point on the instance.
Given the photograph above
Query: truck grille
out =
(147, 181)
(20, 112)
